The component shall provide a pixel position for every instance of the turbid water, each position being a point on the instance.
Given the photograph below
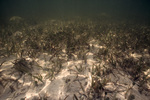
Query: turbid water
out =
(71, 49)
(129, 9)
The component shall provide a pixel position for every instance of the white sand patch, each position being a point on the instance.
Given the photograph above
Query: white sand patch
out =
(59, 87)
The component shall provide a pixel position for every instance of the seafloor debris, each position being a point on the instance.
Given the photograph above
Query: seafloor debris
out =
(22, 65)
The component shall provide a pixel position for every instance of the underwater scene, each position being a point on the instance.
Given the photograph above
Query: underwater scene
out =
(74, 49)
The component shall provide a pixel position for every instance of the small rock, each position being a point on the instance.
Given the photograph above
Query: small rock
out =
(110, 87)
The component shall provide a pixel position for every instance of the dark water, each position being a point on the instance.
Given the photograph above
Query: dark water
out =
(128, 9)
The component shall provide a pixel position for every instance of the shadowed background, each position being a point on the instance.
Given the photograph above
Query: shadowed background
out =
(69, 8)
